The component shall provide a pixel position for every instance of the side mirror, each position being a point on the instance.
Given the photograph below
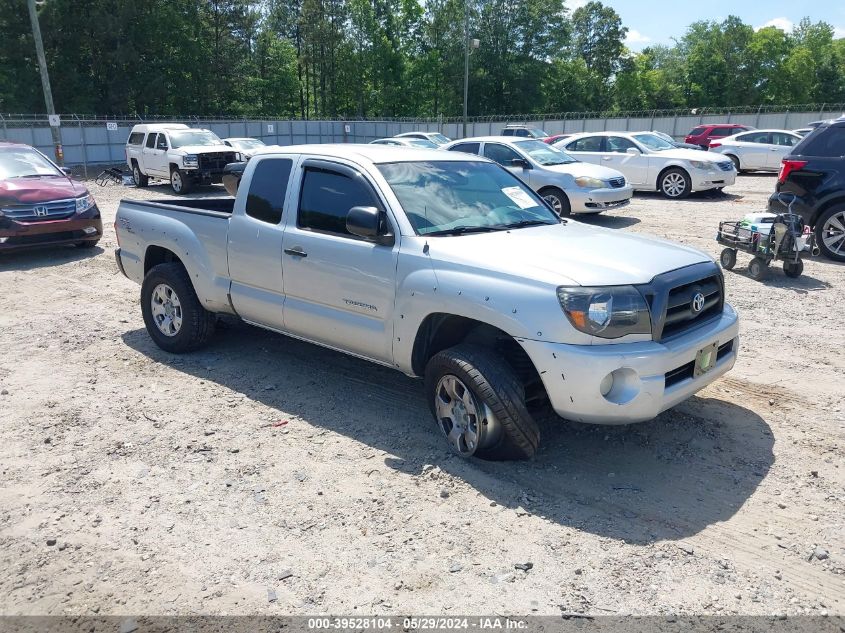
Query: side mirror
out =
(366, 222)
(633, 151)
(520, 162)
(232, 174)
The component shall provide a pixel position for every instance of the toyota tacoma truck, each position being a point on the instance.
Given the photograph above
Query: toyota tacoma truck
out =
(174, 152)
(444, 266)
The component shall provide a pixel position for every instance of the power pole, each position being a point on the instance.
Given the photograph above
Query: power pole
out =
(466, 62)
(45, 79)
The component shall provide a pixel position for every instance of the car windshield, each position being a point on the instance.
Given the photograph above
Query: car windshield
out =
(664, 136)
(537, 132)
(247, 143)
(420, 142)
(455, 197)
(439, 138)
(25, 163)
(654, 142)
(193, 137)
(545, 154)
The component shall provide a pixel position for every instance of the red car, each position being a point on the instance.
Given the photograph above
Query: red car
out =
(703, 134)
(554, 138)
(40, 205)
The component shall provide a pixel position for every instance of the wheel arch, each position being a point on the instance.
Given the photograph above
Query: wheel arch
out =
(838, 200)
(666, 168)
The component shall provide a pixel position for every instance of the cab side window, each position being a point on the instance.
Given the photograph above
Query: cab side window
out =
(326, 198)
(586, 144)
(161, 143)
(502, 154)
(619, 144)
(267, 189)
(469, 148)
(151, 140)
(787, 140)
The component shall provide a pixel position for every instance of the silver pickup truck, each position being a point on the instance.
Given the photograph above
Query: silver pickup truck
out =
(445, 266)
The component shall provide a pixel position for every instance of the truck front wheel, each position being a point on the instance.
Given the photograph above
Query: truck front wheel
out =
(140, 179)
(479, 404)
(173, 314)
(180, 182)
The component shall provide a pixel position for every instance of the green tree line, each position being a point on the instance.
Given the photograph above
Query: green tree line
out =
(396, 58)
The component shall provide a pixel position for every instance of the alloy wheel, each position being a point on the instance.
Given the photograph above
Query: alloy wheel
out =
(166, 309)
(674, 184)
(833, 233)
(466, 423)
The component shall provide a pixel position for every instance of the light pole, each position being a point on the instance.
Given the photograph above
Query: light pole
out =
(45, 79)
(467, 44)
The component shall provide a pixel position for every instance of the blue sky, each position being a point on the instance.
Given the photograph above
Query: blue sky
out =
(658, 21)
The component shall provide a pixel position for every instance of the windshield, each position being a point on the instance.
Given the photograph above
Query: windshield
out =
(193, 137)
(439, 138)
(452, 197)
(419, 142)
(664, 136)
(537, 132)
(654, 142)
(23, 162)
(246, 143)
(545, 154)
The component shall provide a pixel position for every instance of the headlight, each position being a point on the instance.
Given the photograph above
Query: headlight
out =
(84, 203)
(702, 164)
(190, 160)
(606, 312)
(590, 183)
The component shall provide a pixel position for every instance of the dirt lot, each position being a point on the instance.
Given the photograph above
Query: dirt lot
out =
(138, 482)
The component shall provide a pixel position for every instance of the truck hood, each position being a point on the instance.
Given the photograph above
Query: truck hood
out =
(203, 149)
(43, 189)
(579, 169)
(571, 253)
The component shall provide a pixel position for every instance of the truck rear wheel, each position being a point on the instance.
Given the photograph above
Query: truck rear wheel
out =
(180, 182)
(140, 179)
(479, 404)
(173, 314)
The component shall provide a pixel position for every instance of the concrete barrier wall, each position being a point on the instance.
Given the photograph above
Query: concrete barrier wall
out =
(87, 142)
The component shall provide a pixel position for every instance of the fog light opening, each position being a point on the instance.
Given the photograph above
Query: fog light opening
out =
(622, 385)
(606, 384)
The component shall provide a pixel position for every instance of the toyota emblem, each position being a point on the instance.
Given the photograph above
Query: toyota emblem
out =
(41, 211)
(697, 303)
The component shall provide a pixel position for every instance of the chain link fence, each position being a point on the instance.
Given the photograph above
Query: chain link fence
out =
(91, 141)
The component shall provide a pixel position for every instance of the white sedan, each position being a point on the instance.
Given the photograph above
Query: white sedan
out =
(757, 150)
(651, 163)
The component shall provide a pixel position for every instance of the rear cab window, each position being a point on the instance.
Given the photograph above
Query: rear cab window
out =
(267, 189)
(136, 138)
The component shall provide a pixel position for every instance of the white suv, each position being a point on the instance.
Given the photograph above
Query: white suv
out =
(175, 152)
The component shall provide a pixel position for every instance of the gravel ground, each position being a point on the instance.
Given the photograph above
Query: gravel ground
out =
(265, 475)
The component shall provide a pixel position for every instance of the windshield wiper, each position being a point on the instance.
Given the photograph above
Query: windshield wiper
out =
(524, 223)
(460, 230)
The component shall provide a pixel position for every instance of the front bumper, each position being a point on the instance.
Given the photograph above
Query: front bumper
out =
(652, 376)
(83, 227)
(711, 178)
(598, 200)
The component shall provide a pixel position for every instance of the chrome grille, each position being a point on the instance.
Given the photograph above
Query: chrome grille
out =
(725, 165)
(616, 183)
(215, 161)
(41, 212)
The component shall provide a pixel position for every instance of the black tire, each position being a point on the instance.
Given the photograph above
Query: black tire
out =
(670, 180)
(493, 384)
(180, 182)
(140, 179)
(87, 244)
(793, 269)
(826, 227)
(558, 201)
(728, 258)
(735, 161)
(758, 268)
(197, 325)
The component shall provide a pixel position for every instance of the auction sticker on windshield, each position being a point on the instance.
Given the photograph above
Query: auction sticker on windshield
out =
(520, 198)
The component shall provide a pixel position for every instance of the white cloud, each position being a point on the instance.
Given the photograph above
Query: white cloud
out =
(784, 24)
(838, 31)
(575, 4)
(635, 37)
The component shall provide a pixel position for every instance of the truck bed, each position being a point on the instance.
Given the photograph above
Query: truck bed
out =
(201, 206)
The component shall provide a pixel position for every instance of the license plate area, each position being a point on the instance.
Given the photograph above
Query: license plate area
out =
(705, 359)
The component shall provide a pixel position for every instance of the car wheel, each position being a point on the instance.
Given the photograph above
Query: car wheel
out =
(557, 200)
(180, 182)
(173, 314)
(830, 233)
(728, 259)
(140, 179)
(793, 269)
(675, 183)
(479, 404)
(758, 268)
(735, 161)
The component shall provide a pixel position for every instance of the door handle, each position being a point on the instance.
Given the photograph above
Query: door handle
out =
(296, 252)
